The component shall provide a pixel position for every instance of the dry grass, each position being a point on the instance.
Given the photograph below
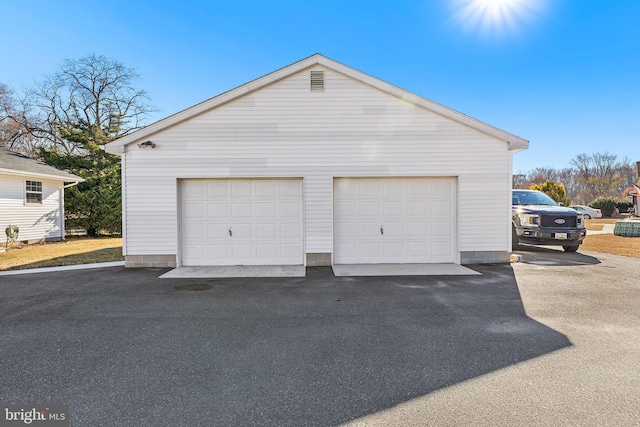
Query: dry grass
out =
(75, 250)
(608, 243)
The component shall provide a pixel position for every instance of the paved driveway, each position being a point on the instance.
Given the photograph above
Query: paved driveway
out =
(125, 348)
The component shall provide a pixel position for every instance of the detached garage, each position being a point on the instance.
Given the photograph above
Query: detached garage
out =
(316, 164)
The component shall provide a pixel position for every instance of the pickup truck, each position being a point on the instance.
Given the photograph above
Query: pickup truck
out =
(536, 219)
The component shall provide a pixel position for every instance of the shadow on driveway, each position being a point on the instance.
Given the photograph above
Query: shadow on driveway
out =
(122, 347)
(551, 256)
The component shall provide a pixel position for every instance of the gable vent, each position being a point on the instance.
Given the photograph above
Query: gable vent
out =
(317, 80)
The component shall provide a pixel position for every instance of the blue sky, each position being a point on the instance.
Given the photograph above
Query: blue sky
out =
(564, 74)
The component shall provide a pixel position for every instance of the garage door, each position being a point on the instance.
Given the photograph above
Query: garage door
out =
(241, 222)
(394, 220)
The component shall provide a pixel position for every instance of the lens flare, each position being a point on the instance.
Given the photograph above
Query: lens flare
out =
(496, 17)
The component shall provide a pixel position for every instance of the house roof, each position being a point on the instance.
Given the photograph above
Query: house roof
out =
(13, 163)
(515, 143)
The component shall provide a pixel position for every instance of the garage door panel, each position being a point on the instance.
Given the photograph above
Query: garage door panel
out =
(419, 229)
(267, 210)
(416, 215)
(393, 229)
(368, 229)
(418, 187)
(241, 210)
(217, 210)
(263, 216)
(195, 251)
(218, 252)
(241, 189)
(394, 209)
(442, 188)
(348, 230)
(417, 249)
(266, 189)
(195, 232)
(441, 208)
(290, 188)
(441, 250)
(419, 208)
(393, 250)
(266, 250)
(370, 187)
(346, 209)
(195, 191)
(242, 231)
(368, 209)
(194, 210)
(216, 189)
(242, 252)
(392, 188)
(291, 231)
(290, 210)
(290, 251)
(442, 229)
(370, 250)
(266, 231)
(215, 231)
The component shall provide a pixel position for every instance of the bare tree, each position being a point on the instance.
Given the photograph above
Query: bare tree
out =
(15, 121)
(599, 175)
(567, 177)
(541, 174)
(91, 100)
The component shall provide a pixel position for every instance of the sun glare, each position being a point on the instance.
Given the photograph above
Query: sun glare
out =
(496, 17)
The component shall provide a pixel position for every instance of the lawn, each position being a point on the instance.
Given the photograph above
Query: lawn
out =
(608, 243)
(75, 250)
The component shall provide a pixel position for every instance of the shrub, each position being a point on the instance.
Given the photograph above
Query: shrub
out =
(553, 189)
(605, 204)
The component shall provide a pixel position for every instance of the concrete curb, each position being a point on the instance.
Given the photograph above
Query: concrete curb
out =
(63, 268)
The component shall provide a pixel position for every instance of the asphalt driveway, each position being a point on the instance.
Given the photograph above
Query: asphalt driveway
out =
(122, 347)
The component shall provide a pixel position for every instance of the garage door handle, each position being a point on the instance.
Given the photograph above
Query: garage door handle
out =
(230, 232)
(381, 230)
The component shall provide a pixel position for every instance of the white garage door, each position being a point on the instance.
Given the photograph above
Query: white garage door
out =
(241, 222)
(394, 220)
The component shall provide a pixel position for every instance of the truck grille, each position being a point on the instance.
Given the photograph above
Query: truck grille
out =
(554, 220)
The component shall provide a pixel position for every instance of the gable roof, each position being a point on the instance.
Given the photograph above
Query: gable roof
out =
(515, 143)
(13, 163)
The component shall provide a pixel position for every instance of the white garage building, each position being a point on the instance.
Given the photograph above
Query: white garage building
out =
(316, 164)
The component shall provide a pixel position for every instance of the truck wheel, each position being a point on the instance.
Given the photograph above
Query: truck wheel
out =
(570, 248)
(514, 239)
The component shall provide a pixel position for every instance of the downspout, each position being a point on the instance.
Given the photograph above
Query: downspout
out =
(62, 226)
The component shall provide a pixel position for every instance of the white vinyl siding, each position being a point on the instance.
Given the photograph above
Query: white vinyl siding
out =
(348, 130)
(34, 220)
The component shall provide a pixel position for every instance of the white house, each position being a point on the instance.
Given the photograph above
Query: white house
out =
(316, 164)
(32, 197)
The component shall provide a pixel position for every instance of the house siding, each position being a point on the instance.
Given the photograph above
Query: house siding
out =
(349, 130)
(35, 221)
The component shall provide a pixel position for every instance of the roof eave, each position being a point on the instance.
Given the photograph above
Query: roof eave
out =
(16, 172)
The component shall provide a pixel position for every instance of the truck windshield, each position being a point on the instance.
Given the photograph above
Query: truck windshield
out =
(532, 198)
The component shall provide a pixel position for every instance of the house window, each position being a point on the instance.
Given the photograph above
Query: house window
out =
(33, 192)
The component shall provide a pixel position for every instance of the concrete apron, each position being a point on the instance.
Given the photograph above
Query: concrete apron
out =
(370, 270)
(221, 272)
(362, 270)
